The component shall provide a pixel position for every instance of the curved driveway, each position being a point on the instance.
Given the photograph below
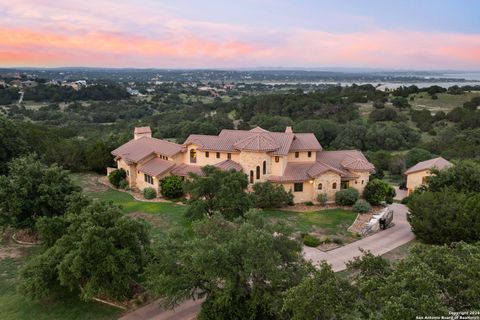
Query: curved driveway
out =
(378, 244)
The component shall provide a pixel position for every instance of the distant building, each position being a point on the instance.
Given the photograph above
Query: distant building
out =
(417, 175)
(133, 92)
(295, 161)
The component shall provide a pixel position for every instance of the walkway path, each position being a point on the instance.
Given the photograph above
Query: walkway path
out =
(378, 244)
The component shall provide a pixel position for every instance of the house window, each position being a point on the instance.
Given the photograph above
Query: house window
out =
(251, 176)
(258, 172)
(193, 156)
(298, 187)
(229, 156)
(320, 186)
(362, 181)
(148, 178)
(356, 181)
(277, 159)
(218, 155)
(424, 180)
(297, 154)
(334, 185)
(309, 154)
(207, 154)
(264, 167)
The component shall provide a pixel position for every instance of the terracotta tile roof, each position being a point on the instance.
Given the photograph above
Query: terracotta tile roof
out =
(156, 166)
(302, 171)
(136, 150)
(257, 139)
(345, 159)
(305, 142)
(229, 165)
(257, 142)
(439, 163)
(184, 169)
(357, 164)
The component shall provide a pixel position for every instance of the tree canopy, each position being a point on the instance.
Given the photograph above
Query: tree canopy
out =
(32, 190)
(240, 268)
(217, 191)
(93, 249)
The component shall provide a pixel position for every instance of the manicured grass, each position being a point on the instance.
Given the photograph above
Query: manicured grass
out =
(331, 221)
(14, 306)
(328, 222)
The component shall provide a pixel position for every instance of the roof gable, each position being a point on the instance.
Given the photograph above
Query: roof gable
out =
(439, 163)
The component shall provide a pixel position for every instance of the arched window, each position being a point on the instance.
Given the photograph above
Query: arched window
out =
(258, 172)
(334, 185)
(320, 186)
(264, 167)
(251, 176)
(193, 156)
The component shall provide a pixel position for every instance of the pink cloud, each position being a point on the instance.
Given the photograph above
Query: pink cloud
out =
(103, 33)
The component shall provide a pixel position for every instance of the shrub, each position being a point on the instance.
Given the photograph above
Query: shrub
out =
(445, 216)
(361, 206)
(311, 241)
(377, 191)
(172, 187)
(149, 193)
(269, 195)
(309, 203)
(346, 197)
(123, 184)
(322, 198)
(115, 177)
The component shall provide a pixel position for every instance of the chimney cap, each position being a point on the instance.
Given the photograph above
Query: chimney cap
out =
(288, 129)
(142, 130)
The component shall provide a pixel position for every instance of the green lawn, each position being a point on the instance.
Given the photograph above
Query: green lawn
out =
(331, 220)
(165, 215)
(14, 306)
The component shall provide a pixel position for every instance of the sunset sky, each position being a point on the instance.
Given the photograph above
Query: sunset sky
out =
(399, 34)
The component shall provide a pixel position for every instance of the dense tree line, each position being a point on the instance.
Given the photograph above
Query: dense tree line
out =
(54, 93)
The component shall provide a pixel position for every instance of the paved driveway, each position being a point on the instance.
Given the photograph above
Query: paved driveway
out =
(378, 244)
(188, 310)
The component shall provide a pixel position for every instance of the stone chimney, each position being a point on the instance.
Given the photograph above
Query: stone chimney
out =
(288, 130)
(140, 132)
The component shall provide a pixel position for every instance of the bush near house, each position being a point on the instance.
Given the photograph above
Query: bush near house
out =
(377, 191)
(149, 193)
(268, 195)
(346, 197)
(322, 198)
(361, 206)
(116, 177)
(172, 187)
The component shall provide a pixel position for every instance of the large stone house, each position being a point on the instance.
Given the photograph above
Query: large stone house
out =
(417, 175)
(294, 160)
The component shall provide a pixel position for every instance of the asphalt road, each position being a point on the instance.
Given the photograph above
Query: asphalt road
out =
(378, 244)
